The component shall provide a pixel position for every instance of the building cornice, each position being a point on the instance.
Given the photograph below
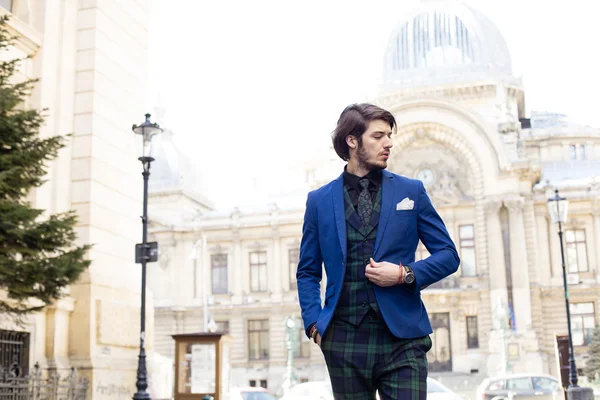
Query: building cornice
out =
(27, 38)
(560, 134)
(466, 91)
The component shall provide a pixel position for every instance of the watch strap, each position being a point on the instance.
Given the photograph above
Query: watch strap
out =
(313, 333)
(401, 274)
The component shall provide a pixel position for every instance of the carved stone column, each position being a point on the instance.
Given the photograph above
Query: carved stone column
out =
(519, 264)
(57, 333)
(596, 243)
(545, 272)
(533, 257)
(290, 276)
(495, 250)
(481, 241)
(239, 266)
(235, 269)
(498, 289)
(275, 267)
(531, 239)
(276, 283)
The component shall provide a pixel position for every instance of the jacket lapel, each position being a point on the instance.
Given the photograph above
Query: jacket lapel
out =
(350, 215)
(387, 202)
(339, 212)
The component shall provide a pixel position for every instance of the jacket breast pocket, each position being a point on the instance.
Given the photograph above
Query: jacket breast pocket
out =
(406, 213)
(403, 222)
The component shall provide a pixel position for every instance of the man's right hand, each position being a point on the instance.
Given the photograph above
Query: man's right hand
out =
(318, 338)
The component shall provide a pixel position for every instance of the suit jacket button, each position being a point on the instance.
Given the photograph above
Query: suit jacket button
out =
(364, 304)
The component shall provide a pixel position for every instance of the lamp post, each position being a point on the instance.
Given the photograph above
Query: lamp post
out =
(559, 210)
(289, 377)
(144, 252)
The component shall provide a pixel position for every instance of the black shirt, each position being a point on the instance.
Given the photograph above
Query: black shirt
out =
(353, 187)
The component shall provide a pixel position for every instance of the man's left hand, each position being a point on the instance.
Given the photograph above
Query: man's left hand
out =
(383, 273)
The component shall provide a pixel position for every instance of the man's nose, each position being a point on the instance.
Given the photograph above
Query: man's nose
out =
(388, 143)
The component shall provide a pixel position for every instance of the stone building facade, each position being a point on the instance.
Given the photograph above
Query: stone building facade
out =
(90, 57)
(489, 171)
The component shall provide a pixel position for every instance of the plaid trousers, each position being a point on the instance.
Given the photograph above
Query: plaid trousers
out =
(369, 357)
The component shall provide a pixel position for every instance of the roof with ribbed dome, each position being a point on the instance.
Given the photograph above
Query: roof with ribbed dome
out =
(172, 170)
(445, 41)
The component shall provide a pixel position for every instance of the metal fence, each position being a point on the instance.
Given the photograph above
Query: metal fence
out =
(36, 386)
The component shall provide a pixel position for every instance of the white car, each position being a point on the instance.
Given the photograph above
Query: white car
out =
(540, 386)
(321, 390)
(316, 390)
(250, 393)
(437, 391)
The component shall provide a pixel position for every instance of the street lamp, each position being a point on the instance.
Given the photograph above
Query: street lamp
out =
(559, 210)
(289, 378)
(144, 252)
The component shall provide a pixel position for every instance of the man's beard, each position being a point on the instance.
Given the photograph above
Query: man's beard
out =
(363, 159)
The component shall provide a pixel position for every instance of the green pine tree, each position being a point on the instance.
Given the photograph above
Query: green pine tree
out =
(592, 366)
(37, 256)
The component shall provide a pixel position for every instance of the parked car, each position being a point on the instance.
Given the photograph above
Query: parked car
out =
(321, 390)
(538, 386)
(314, 390)
(437, 391)
(250, 393)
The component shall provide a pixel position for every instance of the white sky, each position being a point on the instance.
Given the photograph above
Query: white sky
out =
(254, 87)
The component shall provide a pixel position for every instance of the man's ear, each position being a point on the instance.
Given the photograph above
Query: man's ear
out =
(351, 141)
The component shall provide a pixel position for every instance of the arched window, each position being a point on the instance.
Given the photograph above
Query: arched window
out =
(433, 39)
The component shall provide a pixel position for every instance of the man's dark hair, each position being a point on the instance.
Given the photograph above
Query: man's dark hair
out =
(354, 121)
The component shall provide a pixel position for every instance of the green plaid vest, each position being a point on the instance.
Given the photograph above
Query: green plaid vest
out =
(357, 296)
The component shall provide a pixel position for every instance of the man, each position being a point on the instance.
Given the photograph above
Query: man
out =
(365, 227)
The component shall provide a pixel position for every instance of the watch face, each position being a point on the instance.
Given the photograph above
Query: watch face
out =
(426, 176)
(409, 278)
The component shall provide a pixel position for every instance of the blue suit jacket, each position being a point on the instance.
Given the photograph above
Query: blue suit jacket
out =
(398, 234)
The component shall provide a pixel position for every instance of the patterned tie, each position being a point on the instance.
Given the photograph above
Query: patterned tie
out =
(365, 204)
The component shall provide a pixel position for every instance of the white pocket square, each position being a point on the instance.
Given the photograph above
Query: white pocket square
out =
(405, 204)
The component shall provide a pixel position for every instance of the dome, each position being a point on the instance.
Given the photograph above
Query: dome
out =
(444, 42)
(170, 167)
(172, 170)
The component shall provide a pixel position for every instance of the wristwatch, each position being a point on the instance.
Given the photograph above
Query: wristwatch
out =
(409, 275)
